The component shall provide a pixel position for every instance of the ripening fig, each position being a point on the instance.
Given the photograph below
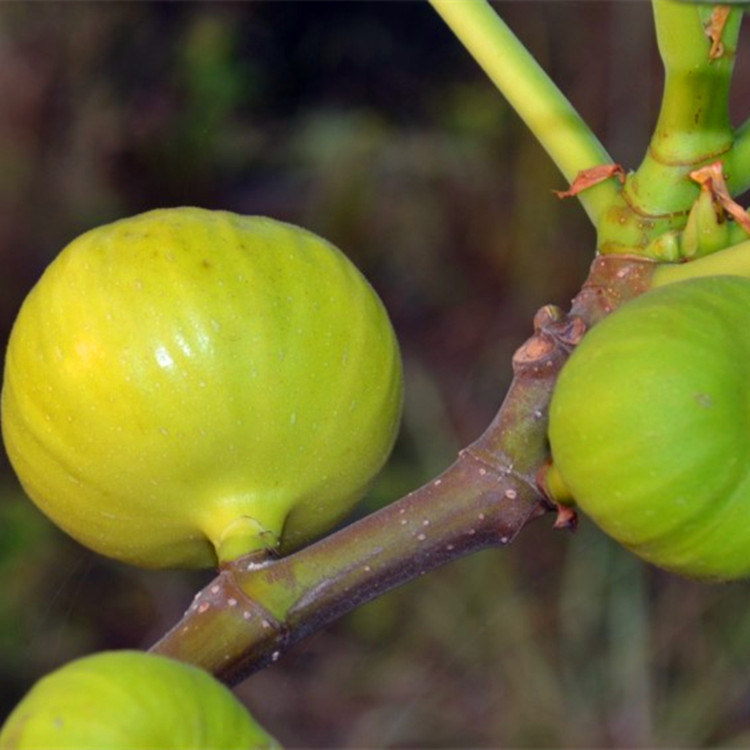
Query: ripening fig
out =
(131, 700)
(187, 386)
(650, 427)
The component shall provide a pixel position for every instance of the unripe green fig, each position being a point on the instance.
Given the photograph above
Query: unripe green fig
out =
(130, 700)
(650, 427)
(187, 386)
(730, 261)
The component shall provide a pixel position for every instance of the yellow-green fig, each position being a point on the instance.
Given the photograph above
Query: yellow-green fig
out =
(650, 427)
(131, 700)
(187, 386)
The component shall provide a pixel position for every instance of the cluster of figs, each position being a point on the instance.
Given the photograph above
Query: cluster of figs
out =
(186, 387)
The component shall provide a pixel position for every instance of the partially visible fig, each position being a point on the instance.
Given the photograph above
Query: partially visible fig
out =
(131, 700)
(650, 426)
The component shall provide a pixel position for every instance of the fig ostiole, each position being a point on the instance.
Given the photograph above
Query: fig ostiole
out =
(187, 386)
(650, 426)
(131, 700)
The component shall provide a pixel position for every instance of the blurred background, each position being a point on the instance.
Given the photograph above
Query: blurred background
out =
(368, 123)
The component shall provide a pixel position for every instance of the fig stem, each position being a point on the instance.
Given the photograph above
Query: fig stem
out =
(254, 611)
(553, 120)
(739, 172)
(697, 49)
(697, 43)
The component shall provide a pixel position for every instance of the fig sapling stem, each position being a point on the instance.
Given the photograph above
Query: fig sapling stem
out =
(738, 162)
(697, 46)
(693, 126)
(539, 102)
(253, 612)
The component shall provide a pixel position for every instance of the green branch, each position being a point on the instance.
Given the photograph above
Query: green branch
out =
(550, 116)
(697, 44)
(738, 166)
(693, 126)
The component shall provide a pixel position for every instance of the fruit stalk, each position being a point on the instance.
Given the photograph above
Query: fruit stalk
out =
(254, 611)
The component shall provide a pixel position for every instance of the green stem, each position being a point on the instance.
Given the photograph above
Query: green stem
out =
(693, 126)
(693, 129)
(738, 166)
(530, 91)
(254, 611)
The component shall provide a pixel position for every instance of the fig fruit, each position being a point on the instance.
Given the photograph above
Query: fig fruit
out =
(187, 386)
(129, 700)
(650, 427)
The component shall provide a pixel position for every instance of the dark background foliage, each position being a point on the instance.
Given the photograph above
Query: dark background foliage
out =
(369, 124)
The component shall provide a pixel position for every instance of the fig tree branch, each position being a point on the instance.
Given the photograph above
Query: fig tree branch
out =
(697, 44)
(255, 610)
(693, 127)
(738, 163)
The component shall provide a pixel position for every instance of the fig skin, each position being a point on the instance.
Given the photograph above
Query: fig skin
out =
(650, 426)
(131, 700)
(187, 386)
